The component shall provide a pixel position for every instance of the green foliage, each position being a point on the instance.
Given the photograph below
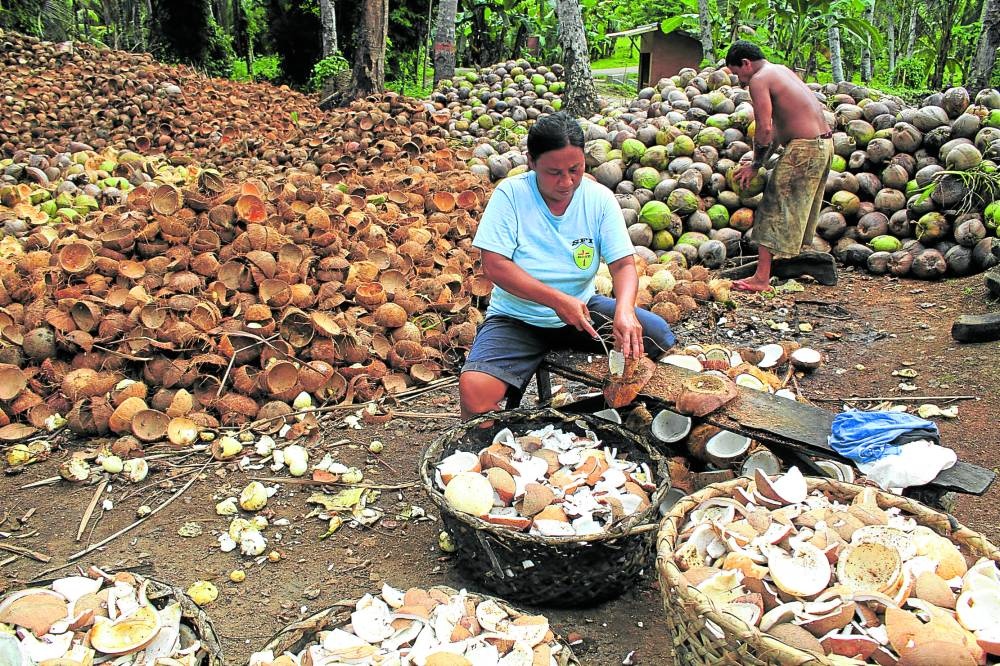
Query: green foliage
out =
(411, 73)
(23, 16)
(265, 67)
(325, 68)
(622, 56)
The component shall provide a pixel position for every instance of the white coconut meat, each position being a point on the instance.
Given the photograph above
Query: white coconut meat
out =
(773, 355)
(670, 427)
(763, 460)
(371, 621)
(683, 361)
(609, 415)
(806, 358)
(746, 380)
(727, 446)
(74, 587)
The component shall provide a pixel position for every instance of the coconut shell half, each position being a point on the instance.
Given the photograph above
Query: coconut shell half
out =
(704, 394)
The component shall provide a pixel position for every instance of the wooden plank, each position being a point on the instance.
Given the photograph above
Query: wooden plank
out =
(977, 328)
(762, 416)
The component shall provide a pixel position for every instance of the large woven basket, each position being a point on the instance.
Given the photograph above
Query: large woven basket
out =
(555, 571)
(195, 623)
(298, 635)
(729, 640)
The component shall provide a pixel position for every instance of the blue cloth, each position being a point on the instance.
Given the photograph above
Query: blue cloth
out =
(561, 251)
(869, 436)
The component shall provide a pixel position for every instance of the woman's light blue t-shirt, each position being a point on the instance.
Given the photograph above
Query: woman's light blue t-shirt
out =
(561, 251)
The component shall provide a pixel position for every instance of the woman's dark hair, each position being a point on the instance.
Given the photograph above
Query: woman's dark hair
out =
(553, 132)
(741, 50)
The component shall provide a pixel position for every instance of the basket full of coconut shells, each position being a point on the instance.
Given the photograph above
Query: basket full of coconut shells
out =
(795, 570)
(436, 627)
(98, 617)
(547, 508)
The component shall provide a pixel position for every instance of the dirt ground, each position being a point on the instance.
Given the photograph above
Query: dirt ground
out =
(867, 327)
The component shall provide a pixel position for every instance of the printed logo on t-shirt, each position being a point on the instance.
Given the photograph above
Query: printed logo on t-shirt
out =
(583, 253)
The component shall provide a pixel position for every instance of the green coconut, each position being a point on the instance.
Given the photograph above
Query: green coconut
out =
(632, 149)
(692, 238)
(683, 146)
(846, 202)
(719, 215)
(752, 189)
(656, 157)
(711, 136)
(861, 131)
(674, 257)
(932, 227)
(683, 201)
(838, 163)
(662, 240)
(656, 214)
(646, 177)
(885, 243)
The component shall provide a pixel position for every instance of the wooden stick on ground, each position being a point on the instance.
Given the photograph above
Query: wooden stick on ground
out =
(125, 529)
(901, 398)
(90, 508)
(27, 552)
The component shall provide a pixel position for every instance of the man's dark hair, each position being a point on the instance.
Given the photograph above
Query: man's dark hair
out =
(743, 49)
(552, 132)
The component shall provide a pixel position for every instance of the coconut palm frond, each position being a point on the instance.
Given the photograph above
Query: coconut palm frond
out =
(57, 20)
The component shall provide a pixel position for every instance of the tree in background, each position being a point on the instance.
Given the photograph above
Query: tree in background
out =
(580, 98)
(986, 50)
(328, 21)
(185, 31)
(705, 26)
(368, 74)
(836, 63)
(293, 33)
(444, 40)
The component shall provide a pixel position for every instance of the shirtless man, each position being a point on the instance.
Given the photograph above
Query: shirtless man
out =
(787, 114)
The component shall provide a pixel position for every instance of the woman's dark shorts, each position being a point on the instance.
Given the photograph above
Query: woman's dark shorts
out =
(511, 351)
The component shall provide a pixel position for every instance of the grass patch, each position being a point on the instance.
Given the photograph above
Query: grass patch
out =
(624, 56)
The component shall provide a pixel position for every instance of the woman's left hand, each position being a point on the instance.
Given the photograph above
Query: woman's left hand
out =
(628, 333)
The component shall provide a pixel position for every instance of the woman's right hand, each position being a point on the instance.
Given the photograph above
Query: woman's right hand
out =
(575, 313)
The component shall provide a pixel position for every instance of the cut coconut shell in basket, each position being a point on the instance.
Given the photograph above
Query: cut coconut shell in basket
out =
(703, 394)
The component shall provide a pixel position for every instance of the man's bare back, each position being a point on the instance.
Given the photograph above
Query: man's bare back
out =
(796, 113)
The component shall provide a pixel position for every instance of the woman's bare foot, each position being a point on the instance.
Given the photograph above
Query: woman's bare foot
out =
(752, 284)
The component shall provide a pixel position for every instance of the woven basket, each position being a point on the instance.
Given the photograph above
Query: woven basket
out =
(555, 571)
(687, 614)
(297, 636)
(195, 624)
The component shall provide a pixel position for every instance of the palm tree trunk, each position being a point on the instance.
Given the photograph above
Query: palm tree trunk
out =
(444, 40)
(944, 45)
(705, 23)
(911, 38)
(866, 51)
(986, 50)
(368, 75)
(892, 42)
(580, 98)
(328, 21)
(836, 63)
